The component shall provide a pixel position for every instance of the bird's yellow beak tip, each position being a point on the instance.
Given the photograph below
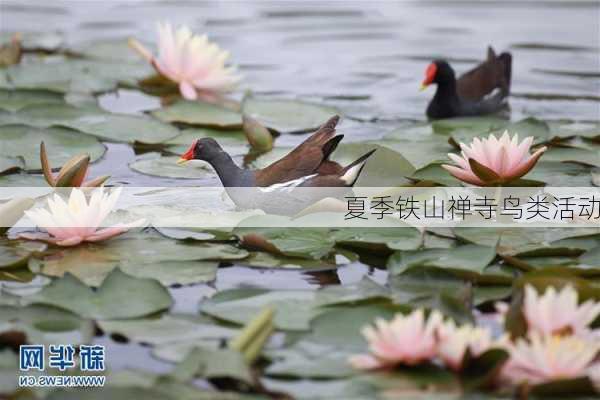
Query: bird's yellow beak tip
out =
(181, 161)
(423, 87)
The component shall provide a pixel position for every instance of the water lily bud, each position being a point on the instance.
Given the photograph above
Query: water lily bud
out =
(72, 173)
(258, 135)
(11, 53)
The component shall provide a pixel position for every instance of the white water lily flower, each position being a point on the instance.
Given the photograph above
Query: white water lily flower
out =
(455, 341)
(557, 312)
(541, 359)
(190, 60)
(406, 339)
(494, 161)
(70, 223)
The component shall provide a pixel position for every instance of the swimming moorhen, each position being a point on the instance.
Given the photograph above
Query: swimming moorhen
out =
(306, 166)
(482, 90)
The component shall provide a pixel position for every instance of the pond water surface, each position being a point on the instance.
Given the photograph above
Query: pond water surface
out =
(366, 58)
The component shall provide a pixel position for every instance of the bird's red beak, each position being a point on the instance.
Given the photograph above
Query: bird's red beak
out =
(429, 75)
(188, 155)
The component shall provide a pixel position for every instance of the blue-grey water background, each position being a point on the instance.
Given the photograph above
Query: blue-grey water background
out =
(365, 57)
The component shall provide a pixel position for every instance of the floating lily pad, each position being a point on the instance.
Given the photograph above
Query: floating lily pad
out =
(164, 166)
(292, 242)
(200, 362)
(94, 121)
(13, 100)
(555, 173)
(401, 238)
(293, 308)
(46, 325)
(16, 253)
(435, 174)
(61, 144)
(466, 129)
(199, 113)
(468, 259)
(112, 50)
(306, 359)
(65, 75)
(290, 116)
(140, 255)
(119, 297)
(25, 180)
(531, 241)
(175, 272)
(168, 328)
(574, 155)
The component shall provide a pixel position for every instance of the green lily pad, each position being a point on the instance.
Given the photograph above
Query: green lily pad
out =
(94, 121)
(306, 359)
(466, 129)
(13, 100)
(529, 242)
(291, 242)
(164, 166)
(64, 75)
(16, 253)
(293, 308)
(119, 297)
(422, 286)
(401, 238)
(471, 259)
(46, 325)
(25, 180)
(199, 113)
(559, 174)
(200, 362)
(140, 255)
(434, 173)
(175, 272)
(269, 260)
(290, 116)
(385, 168)
(169, 328)
(341, 326)
(112, 50)
(574, 155)
(61, 144)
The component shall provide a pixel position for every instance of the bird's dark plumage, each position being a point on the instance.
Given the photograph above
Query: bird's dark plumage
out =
(482, 90)
(308, 164)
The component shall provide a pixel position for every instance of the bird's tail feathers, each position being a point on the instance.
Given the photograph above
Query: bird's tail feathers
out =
(352, 171)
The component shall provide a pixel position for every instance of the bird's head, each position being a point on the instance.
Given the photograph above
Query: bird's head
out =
(201, 149)
(439, 71)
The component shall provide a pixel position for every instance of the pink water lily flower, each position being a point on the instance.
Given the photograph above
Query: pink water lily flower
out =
(189, 60)
(494, 161)
(541, 359)
(406, 339)
(454, 341)
(70, 223)
(558, 312)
